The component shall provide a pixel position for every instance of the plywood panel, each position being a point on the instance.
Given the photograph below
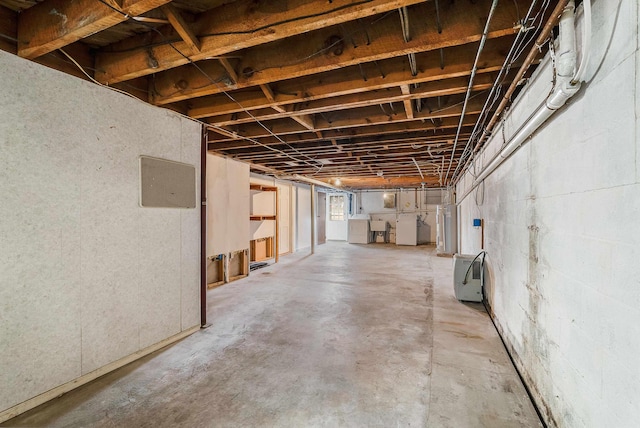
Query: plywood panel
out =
(284, 218)
(217, 205)
(262, 229)
(190, 298)
(303, 216)
(159, 272)
(38, 261)
(238, 205)
(227, 205)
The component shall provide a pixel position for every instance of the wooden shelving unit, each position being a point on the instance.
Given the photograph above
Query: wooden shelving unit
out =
(262, 217)
(259, 217)
(261, 249)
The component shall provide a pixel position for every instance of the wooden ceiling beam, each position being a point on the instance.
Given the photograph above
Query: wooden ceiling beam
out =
(8, 29)
(432, 151)
(221, 32)
(302, 119)
(358, 118)
(231, 71)
(408, 105)
(181, 26)
(427, 128)
(401, 138)
(378, 159)
(266, 115)
(54, 24)
(217, 105)
(267, 64)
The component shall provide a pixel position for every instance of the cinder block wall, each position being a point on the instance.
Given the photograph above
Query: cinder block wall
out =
(562, 235)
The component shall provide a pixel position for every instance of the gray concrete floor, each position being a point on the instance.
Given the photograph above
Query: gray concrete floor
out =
(355, 335)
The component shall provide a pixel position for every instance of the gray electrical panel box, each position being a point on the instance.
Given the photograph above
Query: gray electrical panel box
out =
(167, 184)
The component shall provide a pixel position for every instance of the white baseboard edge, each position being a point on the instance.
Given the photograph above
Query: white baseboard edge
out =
(14, 411)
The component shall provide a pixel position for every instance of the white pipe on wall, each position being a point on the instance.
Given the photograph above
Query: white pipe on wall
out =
(562, 91)
(298, 177)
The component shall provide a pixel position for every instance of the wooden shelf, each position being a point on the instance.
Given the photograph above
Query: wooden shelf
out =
(262, 188)
(270, 251)
(261, 249)
(262, 217)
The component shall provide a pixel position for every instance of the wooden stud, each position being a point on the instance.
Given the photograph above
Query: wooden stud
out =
(408, 105)
(229, 68)
(181, 26)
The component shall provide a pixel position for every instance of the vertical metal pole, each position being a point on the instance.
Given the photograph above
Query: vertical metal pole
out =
(313, 218)
(277, 222)
(203, 229)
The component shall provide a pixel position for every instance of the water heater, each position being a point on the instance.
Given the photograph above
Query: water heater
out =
(446, 229)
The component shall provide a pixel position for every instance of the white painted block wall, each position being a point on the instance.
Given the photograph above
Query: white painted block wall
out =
(87, 276)
(422, 203)
(562, 234)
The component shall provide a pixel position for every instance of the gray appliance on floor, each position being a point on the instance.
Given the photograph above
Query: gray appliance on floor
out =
(468, 277)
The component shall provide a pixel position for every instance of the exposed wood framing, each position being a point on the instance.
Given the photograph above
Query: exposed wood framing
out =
(221, 33)
(53, 24)
(364, 90)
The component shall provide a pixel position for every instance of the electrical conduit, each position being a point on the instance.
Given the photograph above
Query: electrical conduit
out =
(567, 84)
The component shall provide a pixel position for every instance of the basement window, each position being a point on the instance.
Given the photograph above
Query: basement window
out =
(336, 208)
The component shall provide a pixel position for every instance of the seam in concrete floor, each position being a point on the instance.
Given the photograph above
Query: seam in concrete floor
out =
(355, 335)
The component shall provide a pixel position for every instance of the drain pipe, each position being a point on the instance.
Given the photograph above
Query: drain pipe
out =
(419, 170)
(312, 181)
(564, 89)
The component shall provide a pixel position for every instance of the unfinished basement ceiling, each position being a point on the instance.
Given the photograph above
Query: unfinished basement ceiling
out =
(376, 93)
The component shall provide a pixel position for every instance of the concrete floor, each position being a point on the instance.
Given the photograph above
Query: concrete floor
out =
(355, 335)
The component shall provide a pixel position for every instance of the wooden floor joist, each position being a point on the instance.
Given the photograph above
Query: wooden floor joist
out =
(345, 87)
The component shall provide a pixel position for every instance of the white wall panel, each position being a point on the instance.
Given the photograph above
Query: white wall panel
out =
(303, 216)
(217, 205)
(80, 260)
(191, 260)
(238, 208)
(227, 205)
